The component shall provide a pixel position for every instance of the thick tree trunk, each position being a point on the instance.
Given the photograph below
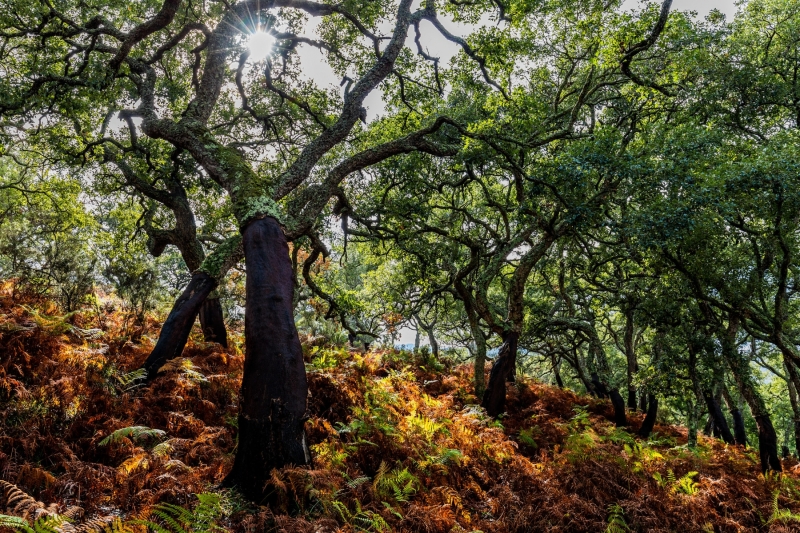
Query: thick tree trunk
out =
(620, 419)
(212, 322)
(494, 399)
(176, 329)
(650, 417)
(768, 444)
(274, 387)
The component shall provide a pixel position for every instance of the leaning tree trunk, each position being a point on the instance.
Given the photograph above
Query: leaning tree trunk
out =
(767, 438)
(721, 428)
(175, 330)
(739, 432)
(274, 387)
(212, 322)
(494, 399)
(650, 417)
(479, 366)
(620, 419)
(630, 356)
(792, 384)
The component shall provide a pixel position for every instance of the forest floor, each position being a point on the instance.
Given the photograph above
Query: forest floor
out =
(399, 444)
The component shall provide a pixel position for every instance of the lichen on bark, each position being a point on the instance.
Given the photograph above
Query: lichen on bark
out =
(214, 263)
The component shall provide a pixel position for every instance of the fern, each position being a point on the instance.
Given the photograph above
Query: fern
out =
(135, 433)
(202, 518)
(686, 485)
(781, 515)
(616, 519)
(397, 484)
(131, 380)
(43, 524)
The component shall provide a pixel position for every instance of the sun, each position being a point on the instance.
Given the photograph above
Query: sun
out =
(260, 45)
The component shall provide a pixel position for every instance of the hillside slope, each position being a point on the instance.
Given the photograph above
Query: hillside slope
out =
(399, 445)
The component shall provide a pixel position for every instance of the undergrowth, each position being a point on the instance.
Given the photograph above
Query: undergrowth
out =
(399, 444)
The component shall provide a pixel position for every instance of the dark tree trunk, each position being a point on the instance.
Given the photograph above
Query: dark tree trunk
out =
(494, 399)
(213, 322)
(630, 356)
(599, 388)
(619, 408)
(720, 424)
(650, 417)
(768, 444)
(557, 371)
(739, 433)
(176, 329)
(643, 402)
(274, 387)
(632, 400)
(785, 452)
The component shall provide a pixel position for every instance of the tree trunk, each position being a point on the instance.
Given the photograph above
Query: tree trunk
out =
(630, 356)
(692, 425)
(557, 371)
(480, 362)
(176, 329)
(212, 322)
(620, 419)
(721, 428)
(767, 438)
(274, 387)
(739, 432)
(650, 417)
(794, 379)
(434, 343)
(494, 399)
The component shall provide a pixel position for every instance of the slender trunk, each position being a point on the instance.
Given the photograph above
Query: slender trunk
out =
(630, 355)
(721, 428)
(692, 425)
(643, 402)
(557, 370)
(739, 432)
(494, 399)
(212, 322)
(718, 426)
(767, 438)
(480, 362)
(650, 417)
(178, 325)
(791, 383)
(416, 340)
(274, 386)
(434, 343)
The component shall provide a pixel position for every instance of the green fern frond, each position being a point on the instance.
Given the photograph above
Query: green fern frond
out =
(616, 519)
(43, 524)
(135, 433)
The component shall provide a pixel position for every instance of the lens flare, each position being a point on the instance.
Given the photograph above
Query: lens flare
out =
(260, 44)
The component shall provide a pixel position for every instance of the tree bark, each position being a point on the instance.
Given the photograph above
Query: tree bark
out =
(480, 362)
(494, 399)
(212, 322)
(274, 386)
(650, 418)
(791, 384)
(739, 432)
(721, 428)
(620, 418)
(630, 356)
(767, 438)
(176, 329)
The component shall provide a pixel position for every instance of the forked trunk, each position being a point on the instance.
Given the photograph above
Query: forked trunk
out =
(739, 432)
(212, 322)
(274, 387)
(720, 424)
(650, 417)
(178, 325)
(494, 399)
